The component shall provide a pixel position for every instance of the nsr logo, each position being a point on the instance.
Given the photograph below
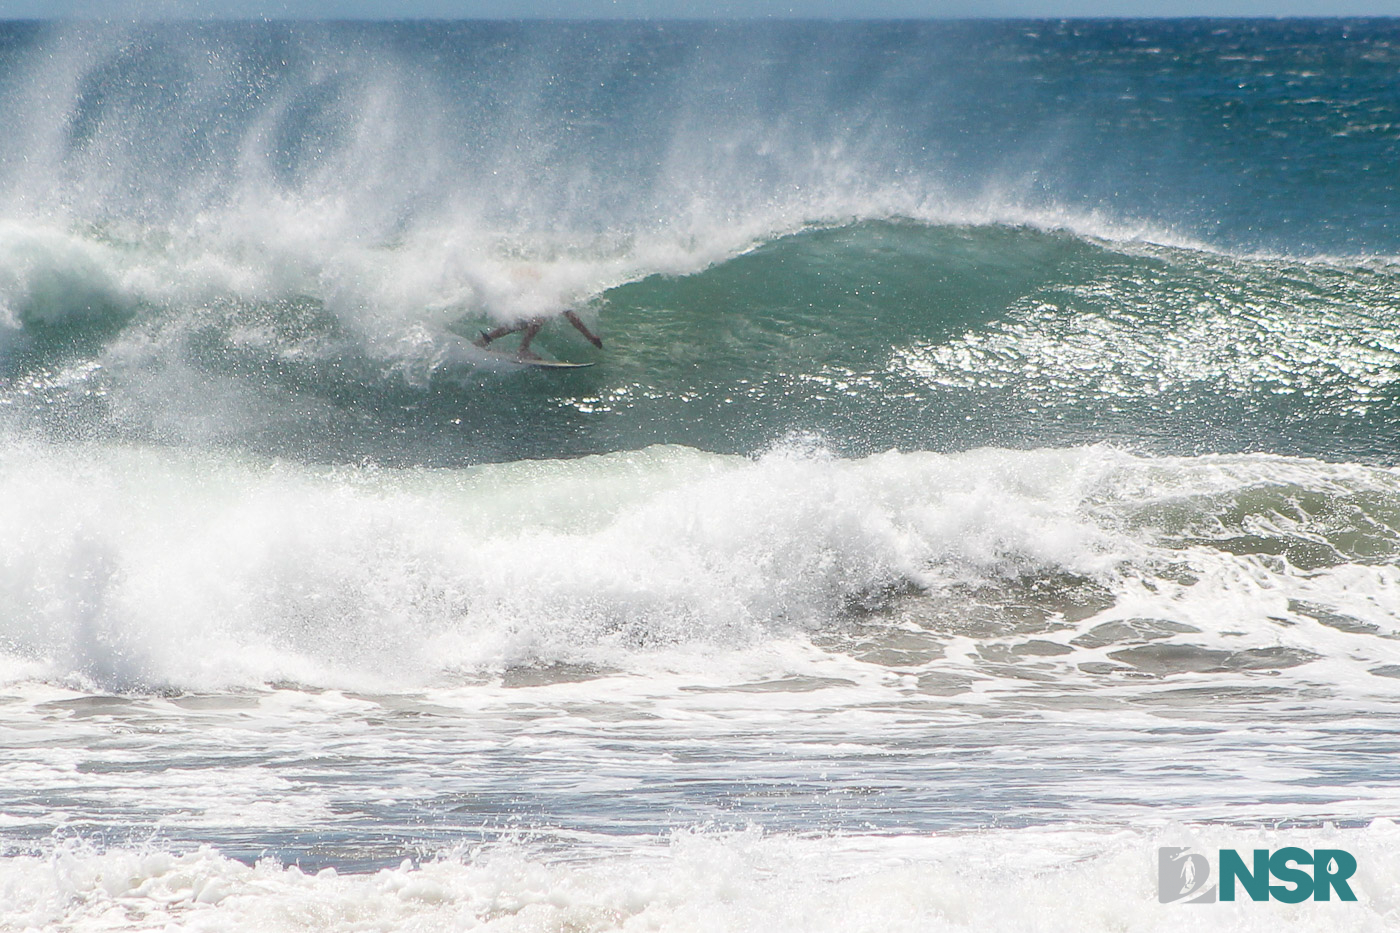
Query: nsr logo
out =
(1182, 876)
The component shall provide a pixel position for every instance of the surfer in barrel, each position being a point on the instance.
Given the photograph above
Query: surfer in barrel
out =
(529, 328)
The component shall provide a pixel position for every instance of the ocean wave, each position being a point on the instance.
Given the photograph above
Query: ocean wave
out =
(137, 570)
(1066, 338)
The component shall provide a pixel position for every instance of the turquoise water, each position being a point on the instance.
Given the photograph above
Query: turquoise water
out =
(990, 473)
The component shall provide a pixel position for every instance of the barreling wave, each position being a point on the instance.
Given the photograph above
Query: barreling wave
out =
(873, 334)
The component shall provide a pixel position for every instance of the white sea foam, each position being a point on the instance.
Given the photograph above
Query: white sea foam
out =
(1072, 878)
(131, 568)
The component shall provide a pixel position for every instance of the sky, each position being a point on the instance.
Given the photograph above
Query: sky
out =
(687, 9)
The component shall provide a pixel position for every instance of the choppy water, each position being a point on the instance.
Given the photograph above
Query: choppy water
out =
(990, 474)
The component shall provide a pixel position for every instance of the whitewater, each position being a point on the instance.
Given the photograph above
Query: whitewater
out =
(990, 477)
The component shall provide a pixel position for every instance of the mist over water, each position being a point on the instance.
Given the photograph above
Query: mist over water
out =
(990, 472)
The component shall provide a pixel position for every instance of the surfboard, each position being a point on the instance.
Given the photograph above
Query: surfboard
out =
(538, 364)
(549, 364)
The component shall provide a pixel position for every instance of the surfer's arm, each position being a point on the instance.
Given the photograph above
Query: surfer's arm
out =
(573, 319)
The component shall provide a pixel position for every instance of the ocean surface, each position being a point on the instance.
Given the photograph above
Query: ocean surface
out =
(991, 474)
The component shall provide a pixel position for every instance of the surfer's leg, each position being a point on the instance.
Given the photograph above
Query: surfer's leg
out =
(531, 328)
(488, 336)
(573, 319)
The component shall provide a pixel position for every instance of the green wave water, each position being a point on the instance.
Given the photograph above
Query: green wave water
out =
(869, 335)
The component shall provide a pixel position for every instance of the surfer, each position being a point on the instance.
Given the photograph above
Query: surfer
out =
(529, 328)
